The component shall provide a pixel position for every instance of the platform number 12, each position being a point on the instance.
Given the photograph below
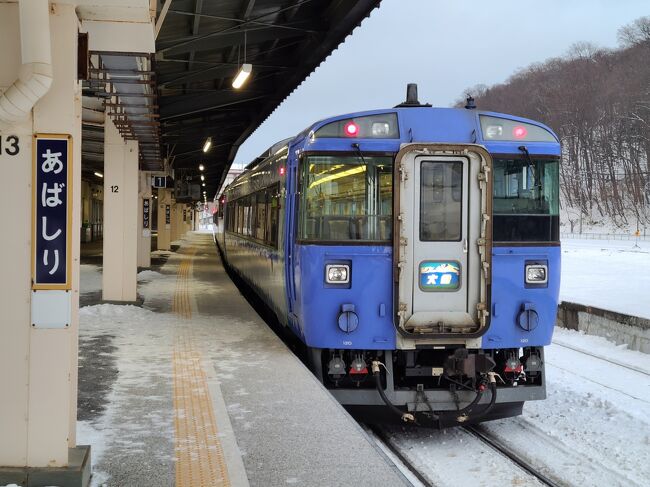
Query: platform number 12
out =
(115, 189)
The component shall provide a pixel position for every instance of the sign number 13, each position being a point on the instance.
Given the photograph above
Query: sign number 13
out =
(9, 145)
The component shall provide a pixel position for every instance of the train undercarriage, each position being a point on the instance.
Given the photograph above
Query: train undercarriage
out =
(438, 387)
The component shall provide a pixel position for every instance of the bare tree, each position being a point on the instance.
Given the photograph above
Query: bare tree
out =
(598, 102)
(637, 32)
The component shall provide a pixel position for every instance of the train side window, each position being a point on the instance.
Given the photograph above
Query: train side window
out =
(267, 215)
(240, 216)
(260, 215)
(275, 213)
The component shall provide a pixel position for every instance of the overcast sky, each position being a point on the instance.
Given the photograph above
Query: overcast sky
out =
(444, 47)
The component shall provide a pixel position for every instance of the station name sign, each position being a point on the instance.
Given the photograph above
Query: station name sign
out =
(52, 212)
(146, 212)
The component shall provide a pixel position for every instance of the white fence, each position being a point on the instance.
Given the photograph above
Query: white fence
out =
(605, 236)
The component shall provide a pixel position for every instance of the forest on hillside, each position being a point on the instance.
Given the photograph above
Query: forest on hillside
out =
(598, 102)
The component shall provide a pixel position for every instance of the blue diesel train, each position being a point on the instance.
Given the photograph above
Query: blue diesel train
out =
(414, 251)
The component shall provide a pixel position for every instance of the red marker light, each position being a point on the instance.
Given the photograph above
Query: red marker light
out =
(282, 170)
(351, 129)
(519, 132)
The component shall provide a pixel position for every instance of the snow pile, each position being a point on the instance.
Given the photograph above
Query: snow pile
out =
(612, 275)
(148, 275)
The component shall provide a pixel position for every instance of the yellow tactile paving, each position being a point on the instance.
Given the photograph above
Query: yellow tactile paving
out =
(181, 304)
(200, 459)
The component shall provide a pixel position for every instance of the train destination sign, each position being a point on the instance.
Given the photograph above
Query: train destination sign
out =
(440, 275)
(52, 212)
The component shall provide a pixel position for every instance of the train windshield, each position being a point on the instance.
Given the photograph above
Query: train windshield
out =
(526, 200)
(346, 198)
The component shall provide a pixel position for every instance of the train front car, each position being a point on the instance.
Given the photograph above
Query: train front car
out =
(423, 260)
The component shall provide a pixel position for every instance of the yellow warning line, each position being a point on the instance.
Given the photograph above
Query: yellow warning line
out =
(200, 459)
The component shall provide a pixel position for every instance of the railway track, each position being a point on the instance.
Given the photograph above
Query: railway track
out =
(380, 435)
(495, 444)
(611, 361)
(474, 431)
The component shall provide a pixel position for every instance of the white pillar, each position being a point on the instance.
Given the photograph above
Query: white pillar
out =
(144, 217)
(174, 234)
(38, 366)
(164, 219)
(119, 276)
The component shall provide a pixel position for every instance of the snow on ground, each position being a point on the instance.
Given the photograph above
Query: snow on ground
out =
(90, 278)
(608, 274)
(601, 347)
(138, 411)
(592, 430)
(594, 426)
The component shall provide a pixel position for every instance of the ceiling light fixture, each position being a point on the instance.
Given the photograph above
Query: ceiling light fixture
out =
(202, 177)
(243, 74)
(99, 175)
(201, 167)
(208, 143)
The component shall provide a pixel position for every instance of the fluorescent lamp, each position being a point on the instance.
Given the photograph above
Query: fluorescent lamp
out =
(208, 143)
(201, 167)
(99, 175)
(243, 74)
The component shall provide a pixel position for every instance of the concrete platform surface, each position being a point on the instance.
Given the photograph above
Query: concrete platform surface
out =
(193, 389)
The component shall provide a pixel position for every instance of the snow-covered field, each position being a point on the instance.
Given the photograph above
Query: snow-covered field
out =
(592, 430)
(613, 275)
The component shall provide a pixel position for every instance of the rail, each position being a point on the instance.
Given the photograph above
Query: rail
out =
(495, 444)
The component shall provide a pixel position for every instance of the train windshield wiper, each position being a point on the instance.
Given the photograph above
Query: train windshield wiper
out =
(358, 149)
(531, 165)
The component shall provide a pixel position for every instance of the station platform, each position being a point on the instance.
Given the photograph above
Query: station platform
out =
(192, 389)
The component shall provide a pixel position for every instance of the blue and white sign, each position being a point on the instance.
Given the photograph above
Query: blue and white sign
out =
(52, 218)
(440, 275)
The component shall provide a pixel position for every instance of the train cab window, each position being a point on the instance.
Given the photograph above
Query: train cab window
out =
(346, 198)
(526, 200)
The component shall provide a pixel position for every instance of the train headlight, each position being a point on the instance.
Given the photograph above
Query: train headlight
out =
(337, 274)
(536, 274)
(493, 131)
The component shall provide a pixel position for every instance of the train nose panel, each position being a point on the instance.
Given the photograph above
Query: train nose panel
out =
(442, 257)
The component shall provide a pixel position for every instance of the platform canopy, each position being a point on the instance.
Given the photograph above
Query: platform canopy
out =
(200, 48)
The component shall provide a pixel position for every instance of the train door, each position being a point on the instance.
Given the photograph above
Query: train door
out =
(442, 256)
